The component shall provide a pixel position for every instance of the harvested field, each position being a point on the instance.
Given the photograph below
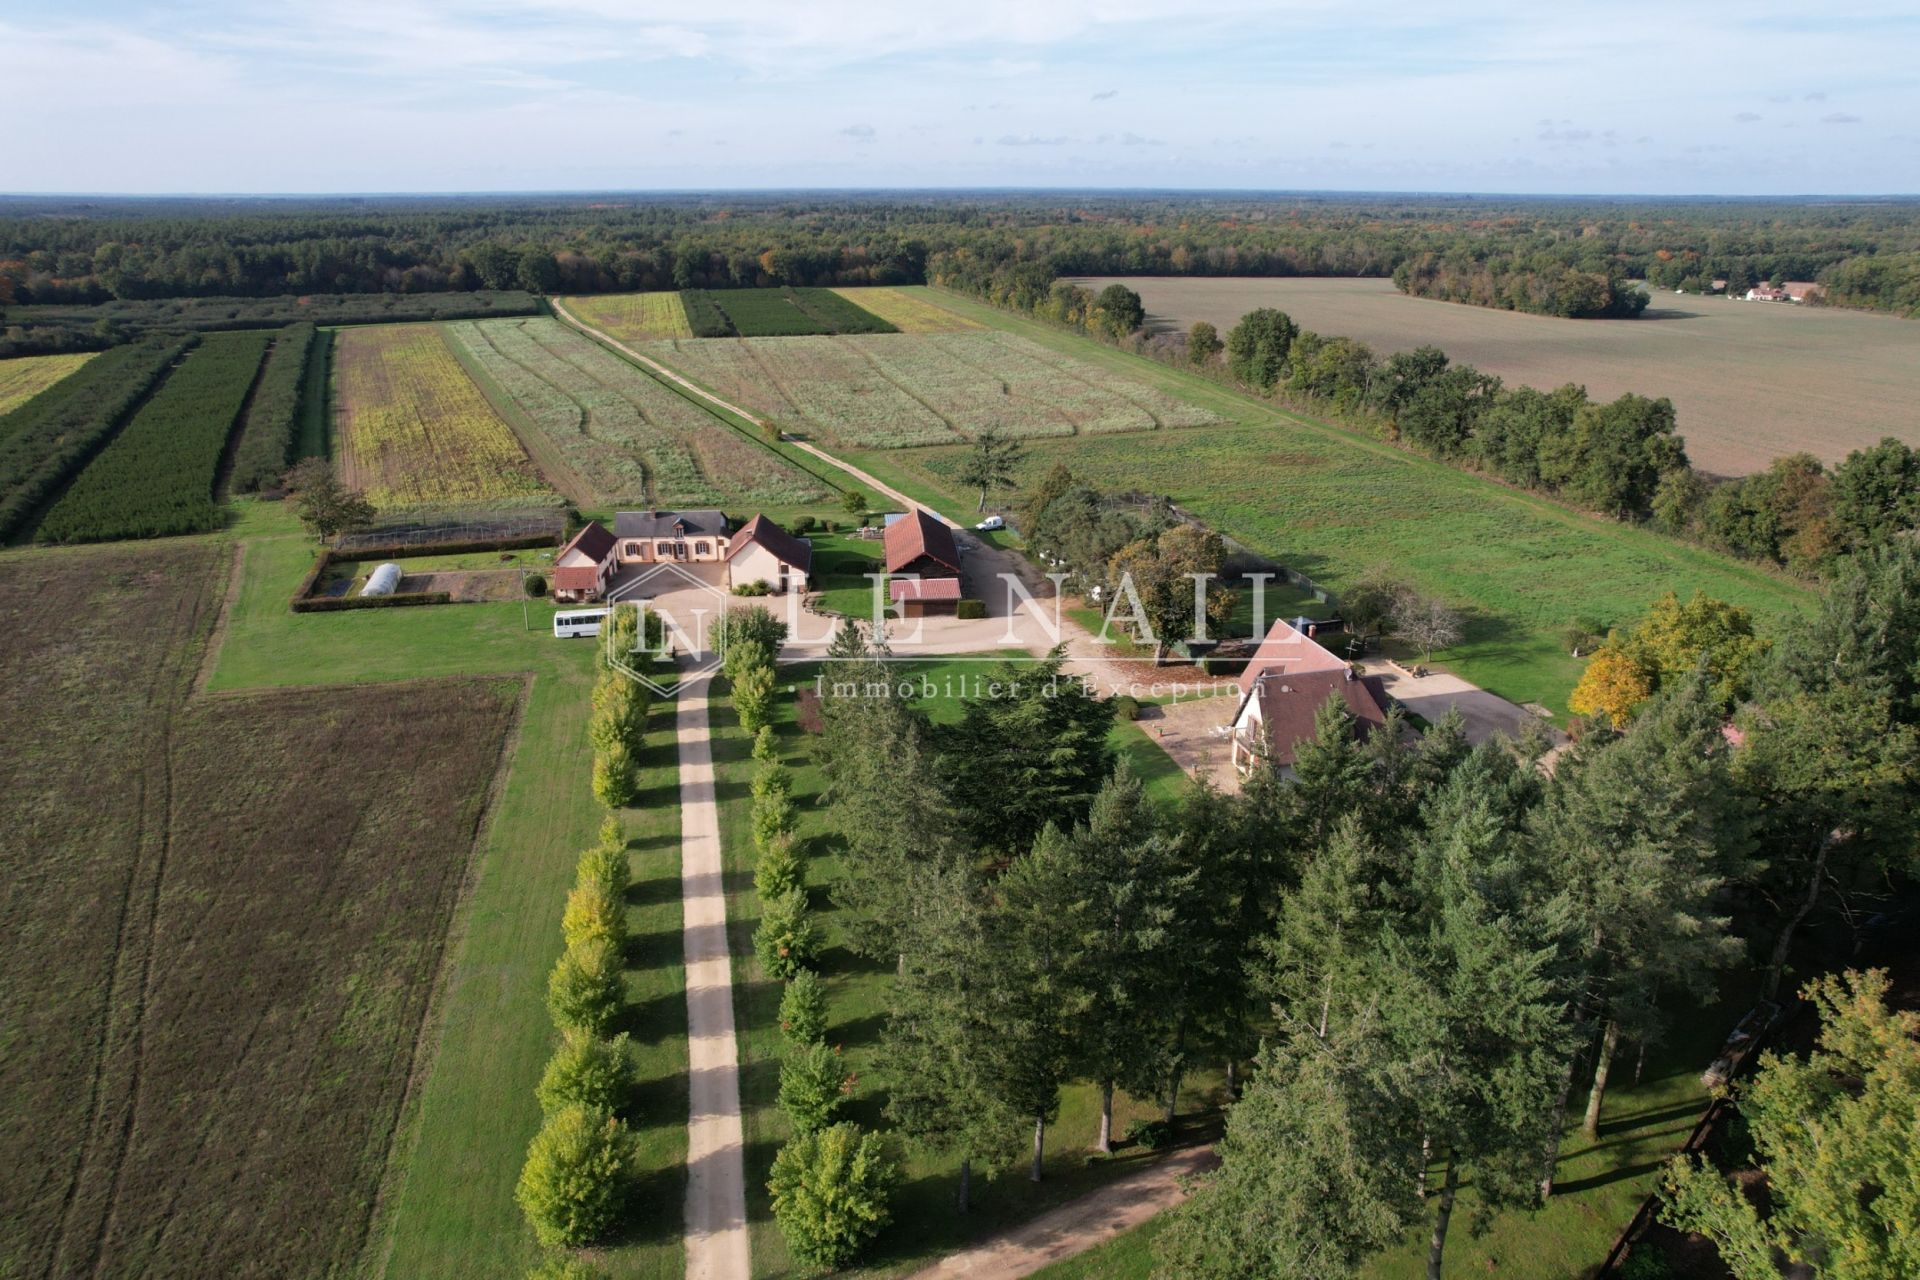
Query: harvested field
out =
(1750, 381)
(24, 377)
(901, 390)
(412, 428)
(905, 312)
(633, 317)
(606, 432)
(227, 915)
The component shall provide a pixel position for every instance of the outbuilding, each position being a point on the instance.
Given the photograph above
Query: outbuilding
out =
(925, 597)
(918, 545)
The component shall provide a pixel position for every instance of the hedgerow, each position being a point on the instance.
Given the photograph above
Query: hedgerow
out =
(266, 437)
(157, 478)
(50, 436)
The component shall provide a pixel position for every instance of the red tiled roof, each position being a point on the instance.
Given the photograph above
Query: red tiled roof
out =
(920, 534)
(1288, 704)
(1289, 652)
(577, 577)
(594, 541)
(787, 548)
(924, 589)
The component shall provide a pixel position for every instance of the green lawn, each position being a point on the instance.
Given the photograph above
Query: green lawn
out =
(926, 1226)
(839, 563)
(450, 1203)
(1333, 503)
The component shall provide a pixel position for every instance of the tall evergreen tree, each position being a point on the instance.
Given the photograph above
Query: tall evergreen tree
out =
(1032, 749)
(1035, 938)
(1645, 831)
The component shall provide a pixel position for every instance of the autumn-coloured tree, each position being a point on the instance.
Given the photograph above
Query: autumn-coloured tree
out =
(1613, 685)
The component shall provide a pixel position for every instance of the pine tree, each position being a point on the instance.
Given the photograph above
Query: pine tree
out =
(1644, 832)
(1036, 963)
(939, 1040)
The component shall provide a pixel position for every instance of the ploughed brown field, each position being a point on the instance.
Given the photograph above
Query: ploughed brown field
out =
(1749, 380)
(225, 915)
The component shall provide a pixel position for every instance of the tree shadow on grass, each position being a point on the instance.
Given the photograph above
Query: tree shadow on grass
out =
(1606, 1179)
(654, 949)
(1645, 1119)
(657, 1211)
(756, 1004)
(658, 1103)
(654, 1019)
(654, 891)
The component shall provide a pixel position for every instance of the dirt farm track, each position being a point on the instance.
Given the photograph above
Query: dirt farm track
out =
(1749, 380)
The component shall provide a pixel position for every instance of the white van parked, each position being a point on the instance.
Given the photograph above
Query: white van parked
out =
(578, 622)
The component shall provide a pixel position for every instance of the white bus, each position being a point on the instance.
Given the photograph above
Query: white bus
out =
(578, 622)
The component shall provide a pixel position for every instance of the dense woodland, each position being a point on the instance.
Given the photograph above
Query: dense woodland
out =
(1417, 957)
(1512, 250)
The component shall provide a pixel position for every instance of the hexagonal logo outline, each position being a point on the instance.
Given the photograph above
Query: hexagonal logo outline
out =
(707, 666)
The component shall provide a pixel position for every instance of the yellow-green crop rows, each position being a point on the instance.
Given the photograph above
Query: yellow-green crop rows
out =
(633, 317)
(907, 313)
(413, 428)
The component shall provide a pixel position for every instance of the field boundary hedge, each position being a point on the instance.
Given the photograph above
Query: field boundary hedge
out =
(266, 435)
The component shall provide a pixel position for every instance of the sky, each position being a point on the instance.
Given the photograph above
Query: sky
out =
(1561, 96)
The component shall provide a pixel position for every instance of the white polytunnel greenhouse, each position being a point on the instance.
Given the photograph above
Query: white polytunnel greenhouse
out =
(382, 580)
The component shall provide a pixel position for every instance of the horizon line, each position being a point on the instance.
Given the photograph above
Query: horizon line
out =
(989, 189)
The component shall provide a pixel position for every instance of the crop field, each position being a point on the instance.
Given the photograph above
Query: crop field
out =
(412, 428)
(1750, 381)
(605, 431)
(47, 439)
(901, 390)
(633, 317)
(227, 915)
(905, 312)
(24, 377)
(775, 313)
(157, 477)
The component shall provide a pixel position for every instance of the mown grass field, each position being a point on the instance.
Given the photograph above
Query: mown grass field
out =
(1750, 381)
(925, 1226)
(899, 390)
(450, 1210)
(1333, 504)
(237, 901)
(607, 433)
(24, 377)
(412, 429)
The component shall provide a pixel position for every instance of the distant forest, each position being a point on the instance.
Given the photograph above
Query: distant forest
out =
(1563, 256)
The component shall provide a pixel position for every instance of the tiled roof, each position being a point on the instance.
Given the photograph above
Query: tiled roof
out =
(593, 541)
(924, 589)
(1288, 704)
(920, 535)
(1290, 652)
(787, 548)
